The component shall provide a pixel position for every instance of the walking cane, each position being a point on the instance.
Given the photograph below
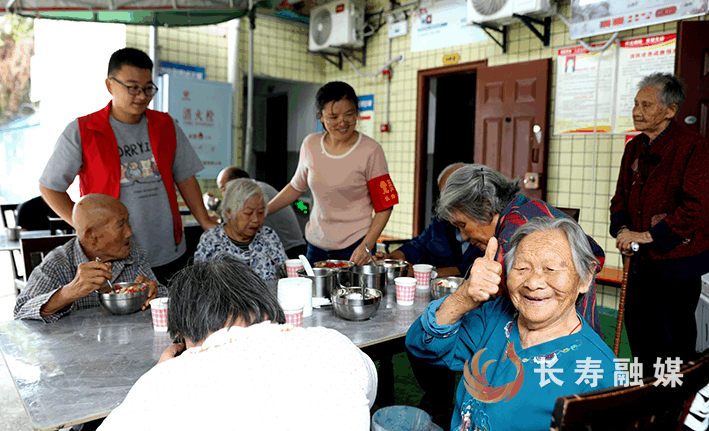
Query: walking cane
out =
(621, 301)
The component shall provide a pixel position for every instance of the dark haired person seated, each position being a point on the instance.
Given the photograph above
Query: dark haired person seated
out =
(69, 276)
(241, 367)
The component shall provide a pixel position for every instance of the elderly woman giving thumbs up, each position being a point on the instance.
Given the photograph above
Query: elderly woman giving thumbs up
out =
(518, 353)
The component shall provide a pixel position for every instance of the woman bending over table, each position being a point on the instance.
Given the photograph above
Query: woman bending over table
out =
(349, 179)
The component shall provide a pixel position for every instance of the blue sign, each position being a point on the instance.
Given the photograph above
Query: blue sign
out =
(366, 103)
(182, 70)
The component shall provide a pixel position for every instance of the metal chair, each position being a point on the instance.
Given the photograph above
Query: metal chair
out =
(34, 249)
(646, 407)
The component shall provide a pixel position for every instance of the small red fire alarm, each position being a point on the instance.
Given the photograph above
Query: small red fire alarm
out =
(387, 73)
(384, 127)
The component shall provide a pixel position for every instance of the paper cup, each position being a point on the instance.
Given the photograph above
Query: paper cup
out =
(405, 290)
(294, 316)
(422, 272)
(158, 309)
(292, 267)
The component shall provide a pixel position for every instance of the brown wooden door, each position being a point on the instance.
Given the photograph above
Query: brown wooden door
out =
(692, 66)
(511, 100)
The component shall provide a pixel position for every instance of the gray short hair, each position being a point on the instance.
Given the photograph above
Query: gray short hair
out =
(478, 192)
(212, 294)
(585, 261)
(670, 86)
(236, 194)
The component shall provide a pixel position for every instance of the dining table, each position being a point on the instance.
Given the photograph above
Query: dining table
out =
(55, 375)
(10, 245)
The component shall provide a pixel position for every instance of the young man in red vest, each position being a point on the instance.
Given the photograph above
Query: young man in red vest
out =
(136, 155)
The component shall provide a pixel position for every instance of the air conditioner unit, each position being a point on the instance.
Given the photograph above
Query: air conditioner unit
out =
(500, 12)
(337, 24)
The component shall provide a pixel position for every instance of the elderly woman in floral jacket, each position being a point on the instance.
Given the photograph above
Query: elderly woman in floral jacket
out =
(243, 235)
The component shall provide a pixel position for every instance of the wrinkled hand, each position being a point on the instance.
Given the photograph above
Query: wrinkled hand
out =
(626, 237)
(90, 276)
(172, 351)
(485, 277)
(152, 289)
(360, 255)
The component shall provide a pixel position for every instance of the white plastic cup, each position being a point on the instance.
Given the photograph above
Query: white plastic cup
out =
(296, 293)
(292, 267)
(294, 316)
(405, 290)
(422, 273)
(158, 310)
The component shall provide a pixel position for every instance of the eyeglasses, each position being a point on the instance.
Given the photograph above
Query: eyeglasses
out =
(135, 90)
(350, 118)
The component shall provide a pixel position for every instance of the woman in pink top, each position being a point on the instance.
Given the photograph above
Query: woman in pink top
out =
(349, 179)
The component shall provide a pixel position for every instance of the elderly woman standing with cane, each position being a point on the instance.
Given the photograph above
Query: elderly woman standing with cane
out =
(483, 204)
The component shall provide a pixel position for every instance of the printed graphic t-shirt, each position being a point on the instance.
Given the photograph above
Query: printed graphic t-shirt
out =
(142, 189)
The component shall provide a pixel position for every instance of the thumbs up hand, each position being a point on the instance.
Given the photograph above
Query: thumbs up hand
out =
(480, 286)
(485, 276)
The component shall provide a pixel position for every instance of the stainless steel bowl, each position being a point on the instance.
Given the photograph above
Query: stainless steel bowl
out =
(123, 303)
(324, 281)
(370, 276)
(438, 292)
(349, 304)
(343, 274)
(394, 268)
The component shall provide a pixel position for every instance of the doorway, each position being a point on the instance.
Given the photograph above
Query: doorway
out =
(272, 160)
(451, 129)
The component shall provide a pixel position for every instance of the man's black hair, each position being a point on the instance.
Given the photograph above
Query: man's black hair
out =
(130, 57)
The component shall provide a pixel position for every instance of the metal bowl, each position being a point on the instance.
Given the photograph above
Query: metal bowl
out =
(343, 274)
(349, 304)
(394, 268)
(438, 292)
(123, 303)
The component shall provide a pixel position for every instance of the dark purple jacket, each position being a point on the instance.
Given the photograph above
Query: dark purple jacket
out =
(664, 189)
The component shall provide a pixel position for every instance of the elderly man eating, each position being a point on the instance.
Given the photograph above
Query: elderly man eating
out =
(69, 276)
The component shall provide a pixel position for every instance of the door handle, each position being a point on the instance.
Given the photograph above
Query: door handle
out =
(531, 180)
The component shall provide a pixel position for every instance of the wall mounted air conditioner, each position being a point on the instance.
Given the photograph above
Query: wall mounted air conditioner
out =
(337, 24)
(499, 12)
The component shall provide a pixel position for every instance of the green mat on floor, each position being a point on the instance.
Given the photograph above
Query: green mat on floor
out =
(408, 392)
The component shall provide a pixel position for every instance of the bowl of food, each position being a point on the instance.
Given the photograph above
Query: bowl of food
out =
(349, 303)
(340, 267)
(127, 298)
(443, 286)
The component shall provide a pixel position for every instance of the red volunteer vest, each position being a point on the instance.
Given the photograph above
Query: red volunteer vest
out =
(101, 163)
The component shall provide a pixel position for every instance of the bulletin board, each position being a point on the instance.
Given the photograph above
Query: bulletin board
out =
(621, 67)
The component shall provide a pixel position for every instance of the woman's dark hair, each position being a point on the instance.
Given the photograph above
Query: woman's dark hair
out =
(334, 92)
(131, 57)
(208, 295)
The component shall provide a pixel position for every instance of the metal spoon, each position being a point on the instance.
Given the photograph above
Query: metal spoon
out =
(366, 247)
(107, 280)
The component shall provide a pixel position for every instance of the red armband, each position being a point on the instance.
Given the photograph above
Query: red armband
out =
(383, 193)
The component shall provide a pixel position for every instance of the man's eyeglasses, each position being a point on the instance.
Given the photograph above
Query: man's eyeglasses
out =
(135, 90)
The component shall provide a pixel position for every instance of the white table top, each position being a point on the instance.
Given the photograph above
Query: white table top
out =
(81, 367)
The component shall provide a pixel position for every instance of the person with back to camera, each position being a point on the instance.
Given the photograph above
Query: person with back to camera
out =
(518, 353)
(349, 178)
(241, 367)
